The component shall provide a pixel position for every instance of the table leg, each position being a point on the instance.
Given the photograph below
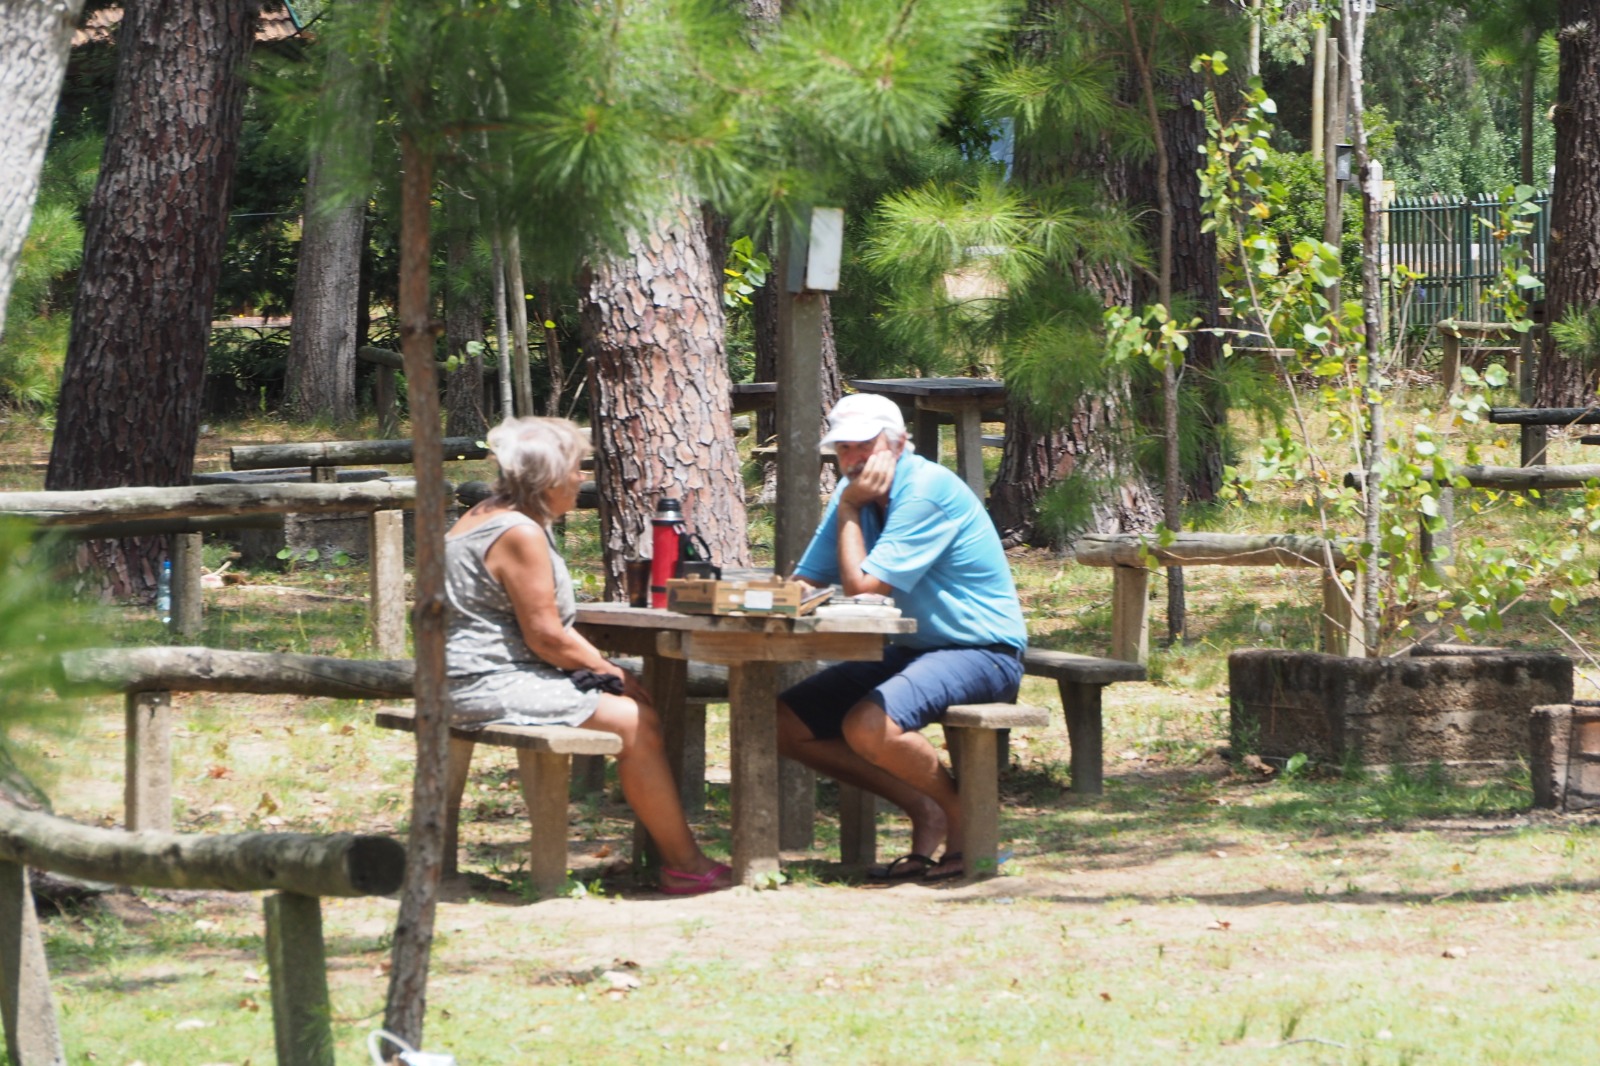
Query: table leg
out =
(797, 784)
(753, 744)
(969, 450)
(927, 434)
(683, 727)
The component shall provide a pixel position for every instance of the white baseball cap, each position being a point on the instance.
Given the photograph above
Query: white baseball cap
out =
(861, 416)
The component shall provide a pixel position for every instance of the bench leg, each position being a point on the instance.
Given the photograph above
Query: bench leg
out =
(979, 789)
(858, 826)
(302, 1021)
(147, 780)
(1081, 703)
(454, 787)
(544, 790)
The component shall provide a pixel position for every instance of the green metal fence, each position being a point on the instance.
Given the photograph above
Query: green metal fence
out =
(1453, 243)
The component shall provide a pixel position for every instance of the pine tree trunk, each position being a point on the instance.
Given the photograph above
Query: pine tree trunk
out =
(320, 378)
(1094, 441)
(33, 59)
(1573, 278)
(129, 408)
(1195, 281)
(463, 324)
(662, 409)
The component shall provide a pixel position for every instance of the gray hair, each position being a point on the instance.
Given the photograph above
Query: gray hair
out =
(535, 455)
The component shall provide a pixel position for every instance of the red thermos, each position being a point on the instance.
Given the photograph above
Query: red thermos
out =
(666, 535)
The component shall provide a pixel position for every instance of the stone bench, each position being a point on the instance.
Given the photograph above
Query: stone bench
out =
(544, 766)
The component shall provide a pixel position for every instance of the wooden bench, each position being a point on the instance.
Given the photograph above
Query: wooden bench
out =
(544, 766)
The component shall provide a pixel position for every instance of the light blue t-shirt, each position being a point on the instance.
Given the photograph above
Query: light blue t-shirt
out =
(939, 551)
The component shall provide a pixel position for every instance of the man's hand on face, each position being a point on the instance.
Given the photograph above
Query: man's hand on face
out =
(872, 484)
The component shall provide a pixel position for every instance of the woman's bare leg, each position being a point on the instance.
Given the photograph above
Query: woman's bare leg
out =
(647, 782)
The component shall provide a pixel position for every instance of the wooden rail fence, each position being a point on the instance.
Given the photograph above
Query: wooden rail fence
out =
(1131, 557)
(298, 869)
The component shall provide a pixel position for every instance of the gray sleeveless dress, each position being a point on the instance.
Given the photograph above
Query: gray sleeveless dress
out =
(493, 675)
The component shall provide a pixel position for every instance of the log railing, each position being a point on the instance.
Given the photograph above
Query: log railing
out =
(1131, 555)
(147, 677)
(298, 869)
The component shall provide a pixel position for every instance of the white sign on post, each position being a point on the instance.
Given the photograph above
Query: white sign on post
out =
(826, 249)
(816, 249)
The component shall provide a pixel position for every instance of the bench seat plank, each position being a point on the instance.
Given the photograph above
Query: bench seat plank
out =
(551, 739)
(996, 716)
(1079, 669)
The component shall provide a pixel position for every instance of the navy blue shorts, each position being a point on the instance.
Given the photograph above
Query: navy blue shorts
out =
(914, 686)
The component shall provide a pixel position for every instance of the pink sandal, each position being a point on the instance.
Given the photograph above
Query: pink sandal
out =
(695, 884)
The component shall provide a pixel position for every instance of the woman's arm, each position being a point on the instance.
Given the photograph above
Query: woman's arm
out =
(520, 560)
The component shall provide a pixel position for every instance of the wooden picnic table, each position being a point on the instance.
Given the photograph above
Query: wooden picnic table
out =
(930, 400)
(751, 646)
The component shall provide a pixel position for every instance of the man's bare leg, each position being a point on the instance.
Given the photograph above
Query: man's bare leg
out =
(834, 758)
(907, 757)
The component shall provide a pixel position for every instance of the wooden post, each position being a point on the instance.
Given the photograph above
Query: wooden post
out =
(147, 766)
(324, 474)
(858, 826)
(797, 415)
(28, 1009)
(544, 790)
(1130, 614)
(797, 784)
(383, 398)
(973, 751)
(1450, 364)
(302, 1020)
(386, 536)
(455, 787)
(1341, 608)
(186, 570)
(1080, 704)
(753, 739)
(1431, 543)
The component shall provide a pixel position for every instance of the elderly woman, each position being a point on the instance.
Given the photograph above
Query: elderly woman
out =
(513, 655)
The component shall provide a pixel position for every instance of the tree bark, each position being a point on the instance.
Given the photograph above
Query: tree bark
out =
(33, 60)
(413, 934)
(320, 378)
(129, 408)
(1573, 278)
(463, 324)
(662, 409)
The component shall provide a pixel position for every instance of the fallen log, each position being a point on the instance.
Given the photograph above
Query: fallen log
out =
(214, 670)
(338, 864)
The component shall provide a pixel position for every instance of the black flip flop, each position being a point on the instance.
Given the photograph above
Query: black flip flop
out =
(958, 869)
(907, 867)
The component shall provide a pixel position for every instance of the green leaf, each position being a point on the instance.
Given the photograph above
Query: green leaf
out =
(1495, 375)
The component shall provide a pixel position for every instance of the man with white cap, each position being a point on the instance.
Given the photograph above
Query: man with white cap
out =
(904, 527)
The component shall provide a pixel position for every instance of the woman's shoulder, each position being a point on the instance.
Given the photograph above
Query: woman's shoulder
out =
(504, 518)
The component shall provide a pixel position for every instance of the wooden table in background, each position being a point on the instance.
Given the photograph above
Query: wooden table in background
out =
(964, 399)
(751, 646)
